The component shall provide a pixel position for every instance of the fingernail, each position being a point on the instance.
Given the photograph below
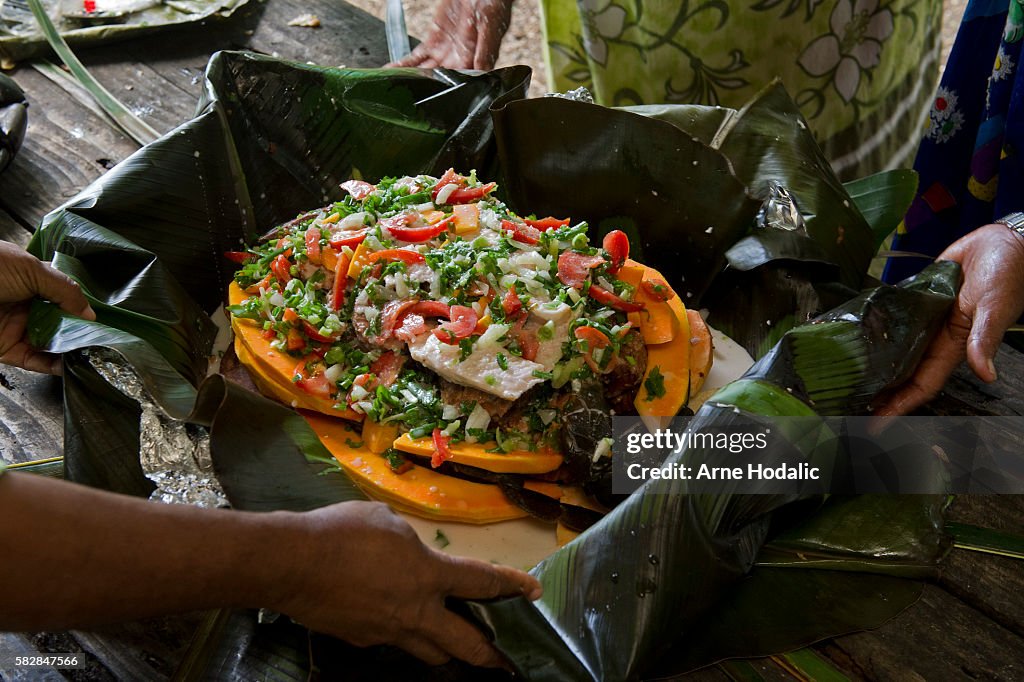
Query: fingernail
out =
(992, 369)
(535, 593)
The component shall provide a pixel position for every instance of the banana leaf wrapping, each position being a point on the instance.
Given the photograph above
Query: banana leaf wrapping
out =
(707, 577)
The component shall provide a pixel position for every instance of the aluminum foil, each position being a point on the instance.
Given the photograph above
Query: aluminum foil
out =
(175, 455)
(780, 212)
(577, 95)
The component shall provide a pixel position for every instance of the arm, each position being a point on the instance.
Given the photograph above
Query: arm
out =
(990, 300)
(77, 557)
(466, 35)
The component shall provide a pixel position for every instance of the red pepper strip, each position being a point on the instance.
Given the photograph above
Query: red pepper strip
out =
(281, 268)
(608, 298)
(594, 339)
(420, 234)
(348, 238)
(521, 232)
(657, 289)
(387, 367)
(461, 325)
(392, 315)
(511, 303)
(295, 339)
(291, 317)
(464, 195)
(450, 177)
(431, 309)
(404, 255)
(545, 224)
(574, 268)
(240, 257)
(313, 245)
(442, 449)
(337, 297)
(314, 333)
(358, 189)
(316, 385)
(262, 284)
(616, 244)
(269, 334)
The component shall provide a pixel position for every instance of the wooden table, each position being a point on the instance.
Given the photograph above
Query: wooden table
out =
(968, 624)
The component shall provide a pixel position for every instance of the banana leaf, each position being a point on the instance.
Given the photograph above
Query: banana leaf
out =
(21, 37)
(273, 138)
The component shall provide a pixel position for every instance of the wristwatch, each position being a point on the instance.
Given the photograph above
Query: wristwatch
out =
(1014, 221)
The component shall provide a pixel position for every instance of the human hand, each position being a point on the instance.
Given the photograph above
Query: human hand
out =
(466, 35)
(22, 278)
(990, 300)
(368, 579)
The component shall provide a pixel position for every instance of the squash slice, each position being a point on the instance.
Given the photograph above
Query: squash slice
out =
(668, 371)
(419, 491)
(271, 370)
(476, 455)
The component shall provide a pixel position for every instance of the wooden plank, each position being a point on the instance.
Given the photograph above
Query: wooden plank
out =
(13, 231)
(66, 147)
(965, 394)
(142, 650)
(940, 638)
(31, 416)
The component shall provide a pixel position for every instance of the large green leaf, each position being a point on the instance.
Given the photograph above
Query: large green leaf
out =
(883, 199)
(273, 138)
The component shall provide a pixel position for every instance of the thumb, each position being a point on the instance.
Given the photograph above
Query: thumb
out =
(987, 328)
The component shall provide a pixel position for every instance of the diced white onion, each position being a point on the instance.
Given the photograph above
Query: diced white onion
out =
(574, 295)
(444, 193)
(277, 300)
(479, 418)
(409, 396)
(547, 416)
(449, 412)
(451, 428)
(490, 339)
(354, 221)
(429, 206)
(603, 449)
(605, 284)
(334, 372)
(364, 406)
(357, 392)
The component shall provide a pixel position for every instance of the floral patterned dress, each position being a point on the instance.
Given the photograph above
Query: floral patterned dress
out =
(862, 71)
(970, 159)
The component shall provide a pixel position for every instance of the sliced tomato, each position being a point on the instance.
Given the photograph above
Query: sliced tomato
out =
(313, 245)
(521, 232)
(269, 334)
(594, 339)
(431, 309)
(240, 257)
(545, 224)
(291, 317)
(398, 220)
(314, 333)
(657, 289)
(281, 267)
(420, 234)
(442, 448)
(316, 384)
(608, 298)
(450, 177)
(464, 195)
(392, 315)
(616, 244)
(527, 341)
(336, 299)
(387, 367)
(351, 238)
(461, 325)
(511, 303)
(574, 268)
(404, 255)
(295, 340)
(358, 189)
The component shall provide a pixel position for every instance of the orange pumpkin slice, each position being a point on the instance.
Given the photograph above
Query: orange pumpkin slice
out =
(476, 455)
(666, 385)
(701, 351)
(271, 370)
(419, 491)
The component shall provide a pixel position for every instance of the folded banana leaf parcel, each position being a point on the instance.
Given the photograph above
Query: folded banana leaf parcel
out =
(669, 580)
